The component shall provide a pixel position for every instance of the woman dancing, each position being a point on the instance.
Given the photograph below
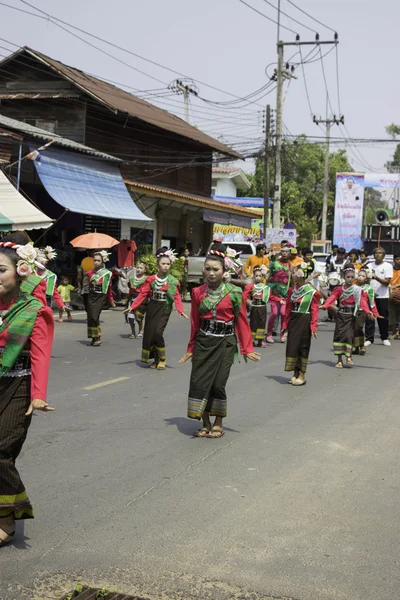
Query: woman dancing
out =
(218, 320)
(301, 321)
(26, 336)
(350, 298)
(258, 294)
(359, 335)
(163, 291)
(99, 289)
(136, 281)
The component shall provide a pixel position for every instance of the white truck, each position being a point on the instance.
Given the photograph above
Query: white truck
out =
(196, 263)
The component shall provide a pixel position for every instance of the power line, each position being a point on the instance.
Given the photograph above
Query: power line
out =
(289, 17)
(265, 17)
(161, 66)
(325, 81)
(337, 79)
(305, 83)
(310, 16)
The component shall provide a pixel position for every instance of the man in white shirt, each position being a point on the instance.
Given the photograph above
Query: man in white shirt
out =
(382, 274)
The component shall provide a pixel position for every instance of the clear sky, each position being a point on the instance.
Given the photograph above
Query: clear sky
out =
(224, 44)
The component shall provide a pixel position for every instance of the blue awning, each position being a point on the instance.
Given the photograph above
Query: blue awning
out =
(86, 186)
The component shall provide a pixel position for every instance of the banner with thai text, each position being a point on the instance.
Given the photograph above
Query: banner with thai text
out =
(349, 202)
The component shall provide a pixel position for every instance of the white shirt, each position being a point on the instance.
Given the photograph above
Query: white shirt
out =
(383, 271)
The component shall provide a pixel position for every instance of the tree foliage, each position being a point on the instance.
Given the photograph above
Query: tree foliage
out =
(303, 185)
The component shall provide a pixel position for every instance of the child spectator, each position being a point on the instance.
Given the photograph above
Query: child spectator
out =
(65, 289)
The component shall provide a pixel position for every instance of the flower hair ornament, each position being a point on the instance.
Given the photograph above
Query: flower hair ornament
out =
(44, 255)
(168, 254)
(302, 270)
(104, 255)
(28, 256)
(348, 269)
(262, 268)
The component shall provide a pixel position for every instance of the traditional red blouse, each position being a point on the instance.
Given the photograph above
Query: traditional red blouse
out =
(110, 296)
(145, 291)
(224, 313)
(314, 310)
(249, 288)
(350, 301)
(39, 345)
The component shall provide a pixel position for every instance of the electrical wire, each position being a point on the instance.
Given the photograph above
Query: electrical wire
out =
(265, 17)
(289, 17)
(337, 80)
(325, 81)
(305, 83)
(310, 16)
(48, 16)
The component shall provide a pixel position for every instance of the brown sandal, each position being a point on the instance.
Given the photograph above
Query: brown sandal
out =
(201, 432)
(220, 433)
(6, 538)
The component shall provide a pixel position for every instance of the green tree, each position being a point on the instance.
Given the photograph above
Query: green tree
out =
(303, 185)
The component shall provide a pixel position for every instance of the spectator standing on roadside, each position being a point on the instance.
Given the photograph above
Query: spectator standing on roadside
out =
(382, 273)
(331, 257)
(257, 260)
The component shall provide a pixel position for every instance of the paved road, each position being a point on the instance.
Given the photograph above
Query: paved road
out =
(298, 500)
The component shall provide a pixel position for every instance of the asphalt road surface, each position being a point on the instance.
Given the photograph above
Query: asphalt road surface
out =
(300, 498)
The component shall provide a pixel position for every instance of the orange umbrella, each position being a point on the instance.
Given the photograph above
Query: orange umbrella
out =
(93, 241)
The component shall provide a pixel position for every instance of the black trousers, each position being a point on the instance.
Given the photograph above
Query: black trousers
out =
(382, 304)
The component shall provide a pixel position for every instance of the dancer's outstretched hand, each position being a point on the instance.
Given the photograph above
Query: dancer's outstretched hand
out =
(127, 311)
(251, 356)
(184, 315)
(186, 357)
(38, 405)
(315, 334)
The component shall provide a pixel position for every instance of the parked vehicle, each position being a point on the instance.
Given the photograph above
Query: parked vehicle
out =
(196, 263)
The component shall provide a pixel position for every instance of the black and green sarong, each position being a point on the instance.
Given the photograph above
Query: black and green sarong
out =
(95, 305)
(157, 318)
(211, 365)
(343, 337)
(298, 342)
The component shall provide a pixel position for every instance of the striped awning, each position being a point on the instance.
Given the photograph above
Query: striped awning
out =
(16, 212)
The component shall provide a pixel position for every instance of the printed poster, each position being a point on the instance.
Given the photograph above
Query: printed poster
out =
(349, 203)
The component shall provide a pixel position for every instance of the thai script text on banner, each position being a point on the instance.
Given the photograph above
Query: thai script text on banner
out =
(349, 204)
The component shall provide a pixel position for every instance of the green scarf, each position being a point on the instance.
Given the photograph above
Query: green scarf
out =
(305, 294)
(261, 288)
(51, 280)
(29, 284)
(209, 303)
(171, 291)
(103, 274)
(19, 322)
(137, 281)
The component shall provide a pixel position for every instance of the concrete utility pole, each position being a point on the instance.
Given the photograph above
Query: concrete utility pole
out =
(328, 123)
(282, 74)
(266, 168)
(185, 87)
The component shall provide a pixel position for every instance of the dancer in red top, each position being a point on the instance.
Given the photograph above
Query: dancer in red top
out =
(301, 321)
(219, 321)
(163, 291)
(26, 335)
(349, 298)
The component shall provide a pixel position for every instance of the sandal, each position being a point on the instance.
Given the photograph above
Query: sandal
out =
(339, 365)
(154, 365)
(91, 343)
(363, 351)
(98, 343)
(350, 362)
(213, 430)
(6, 538)
(201, 432)
(292, 379)
(298, 382)
(161, 366)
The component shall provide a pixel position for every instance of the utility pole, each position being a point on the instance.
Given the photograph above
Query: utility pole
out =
(280, 75)
(185, 87)
(328, 123)
(266, 168)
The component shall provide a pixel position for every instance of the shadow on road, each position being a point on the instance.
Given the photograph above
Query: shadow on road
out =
(279, 379)
(188, 426)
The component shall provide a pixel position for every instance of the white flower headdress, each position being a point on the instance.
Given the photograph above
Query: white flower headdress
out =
(44, 255)
(168, 254)
(28, 257)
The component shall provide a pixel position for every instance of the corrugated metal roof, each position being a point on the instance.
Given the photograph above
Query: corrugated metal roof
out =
(193, 199)
(43, 135)
(37, 95)
(120, 100)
